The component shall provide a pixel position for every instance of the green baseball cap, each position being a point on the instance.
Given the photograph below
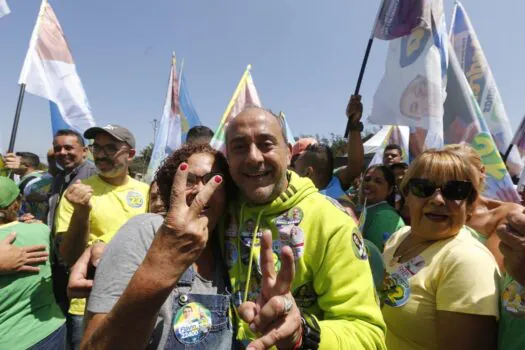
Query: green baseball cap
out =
(8, 191)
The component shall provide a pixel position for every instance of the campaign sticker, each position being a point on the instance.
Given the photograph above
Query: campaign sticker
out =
(358, 246)
(231, 231)
(292, 236)
(192, 323)
(396, 290)
(293, 216)
(231, 253)
(396, 286)
(134, 199)
(513, 299)
(247, 234)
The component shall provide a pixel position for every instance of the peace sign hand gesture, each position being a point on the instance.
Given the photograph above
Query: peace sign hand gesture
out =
(275, 313)
(184, 233)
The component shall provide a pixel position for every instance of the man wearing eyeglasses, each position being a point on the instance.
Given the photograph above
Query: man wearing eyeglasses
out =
(92, 210)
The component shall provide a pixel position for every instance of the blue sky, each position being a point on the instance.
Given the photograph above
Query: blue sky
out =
(305, 55)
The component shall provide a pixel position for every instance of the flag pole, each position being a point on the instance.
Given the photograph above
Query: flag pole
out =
(507, 153)
(23, 77)
(21, 94)
(365, 61)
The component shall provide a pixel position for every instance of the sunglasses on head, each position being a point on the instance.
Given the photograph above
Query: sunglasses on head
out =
(451, 190)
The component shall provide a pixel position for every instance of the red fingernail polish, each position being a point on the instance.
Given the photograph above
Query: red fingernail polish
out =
(218, 179)
(183, 166)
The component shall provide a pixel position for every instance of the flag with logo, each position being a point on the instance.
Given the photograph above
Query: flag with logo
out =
(475, 66)
(177, 118)
(398, 18)
(245, 95)
(464, 123)
(389, 134)
(412, 90)
(50, 72)
(4, 8)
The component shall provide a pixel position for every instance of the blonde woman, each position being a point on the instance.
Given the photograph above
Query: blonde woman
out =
(441, 285)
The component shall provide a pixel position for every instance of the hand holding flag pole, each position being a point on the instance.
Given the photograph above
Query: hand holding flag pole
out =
(365, 61)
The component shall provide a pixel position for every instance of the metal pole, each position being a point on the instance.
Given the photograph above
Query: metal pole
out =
(363, 64)
(11, 147)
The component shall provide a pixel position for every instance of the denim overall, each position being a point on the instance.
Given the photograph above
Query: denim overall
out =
(208, 327)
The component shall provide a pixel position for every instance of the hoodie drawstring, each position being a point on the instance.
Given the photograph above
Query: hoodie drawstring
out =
(248, 277)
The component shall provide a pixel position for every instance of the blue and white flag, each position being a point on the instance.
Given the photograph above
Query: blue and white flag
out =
(475, 66)
(50, 72)
(4, 9)
(178, 117)
(464, 123)
(412, 90)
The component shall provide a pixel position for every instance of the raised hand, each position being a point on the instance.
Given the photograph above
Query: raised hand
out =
(185, 228)
(354, 110)
(12, 161)
(79, 195)
(275, 314)
(512, 244)
(20, 259)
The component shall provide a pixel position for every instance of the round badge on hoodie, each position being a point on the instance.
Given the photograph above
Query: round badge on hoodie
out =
(358, 246)
(247, 234)
(293, 216)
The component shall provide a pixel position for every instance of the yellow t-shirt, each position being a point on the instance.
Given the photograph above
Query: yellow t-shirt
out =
(458, 274)
(112, 206)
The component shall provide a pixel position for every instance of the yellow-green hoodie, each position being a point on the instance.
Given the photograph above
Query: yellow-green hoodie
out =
(332, 281)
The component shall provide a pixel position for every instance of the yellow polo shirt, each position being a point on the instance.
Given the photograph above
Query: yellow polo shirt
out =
(112, 206)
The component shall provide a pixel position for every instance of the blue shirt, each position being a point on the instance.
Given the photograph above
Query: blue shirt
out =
(335, 190)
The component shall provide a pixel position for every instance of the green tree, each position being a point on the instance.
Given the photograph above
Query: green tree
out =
(141, 161)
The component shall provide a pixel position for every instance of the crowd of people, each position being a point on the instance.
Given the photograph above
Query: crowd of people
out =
(260, 245)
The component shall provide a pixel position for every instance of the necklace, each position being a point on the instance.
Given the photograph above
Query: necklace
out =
(398, 256)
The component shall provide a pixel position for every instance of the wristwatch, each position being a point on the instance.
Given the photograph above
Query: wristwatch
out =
(356, 127)
(311, 332)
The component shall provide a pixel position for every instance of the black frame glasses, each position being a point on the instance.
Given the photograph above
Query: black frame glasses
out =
(453, 190)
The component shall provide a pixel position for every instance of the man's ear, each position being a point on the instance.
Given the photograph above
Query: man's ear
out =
(132, 153)
(310, 172)
(289, 154)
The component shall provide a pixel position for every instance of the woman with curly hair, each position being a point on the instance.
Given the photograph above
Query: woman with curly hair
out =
(158, 266)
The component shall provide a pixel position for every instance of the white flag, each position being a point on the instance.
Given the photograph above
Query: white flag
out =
(412, 90)
(50, 72)
(4, 9)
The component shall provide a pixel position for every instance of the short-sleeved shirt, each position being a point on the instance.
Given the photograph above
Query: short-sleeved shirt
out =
(381, 222)
(335, 191)
(120, 260)
(457, 274)
(112, 206)
(512, 315)
(28, 311)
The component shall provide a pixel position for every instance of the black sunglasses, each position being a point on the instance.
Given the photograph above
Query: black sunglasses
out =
(451, 190)
(193, 179)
